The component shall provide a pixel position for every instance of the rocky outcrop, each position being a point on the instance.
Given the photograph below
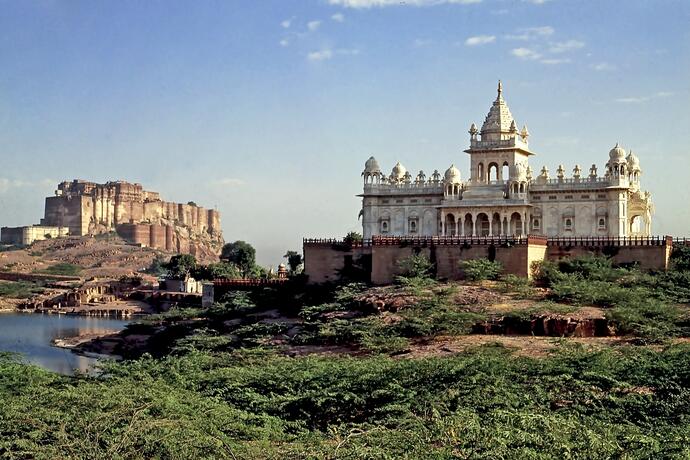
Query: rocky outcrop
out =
(546, 325)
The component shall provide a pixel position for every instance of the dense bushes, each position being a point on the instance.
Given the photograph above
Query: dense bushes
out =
(633, 403)
(481, 269)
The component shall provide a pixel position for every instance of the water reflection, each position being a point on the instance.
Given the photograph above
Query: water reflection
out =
(31, 335)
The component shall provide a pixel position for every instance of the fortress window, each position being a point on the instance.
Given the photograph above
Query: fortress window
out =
(568, 197)
(584, 197)
(385, 201)
(538, 198)
(413, 225)
(384, 226)
(399, 201)
(413, 201)
(602, 223)
(568, 224)
(601, 197)
(427, 200)
(552, 197)
(535, 224)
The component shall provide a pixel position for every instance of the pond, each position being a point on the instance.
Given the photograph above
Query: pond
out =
(31, 335)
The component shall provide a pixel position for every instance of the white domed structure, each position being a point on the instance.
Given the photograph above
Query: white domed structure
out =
(398, 172)
(372, 171)
(371, 166)
(452, 175)
(500, 195)
(617, 164)
(633, 162)
(617, 154)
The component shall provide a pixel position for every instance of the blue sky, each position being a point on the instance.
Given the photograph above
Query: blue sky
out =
(267, 110)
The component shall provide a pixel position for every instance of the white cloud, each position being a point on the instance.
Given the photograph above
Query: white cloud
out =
(313, 25)
(641, 99)
(322, 55)
(569, 45)
(480, 40)
(525, 53)
(419, 42)
(229, 182)
(286, 23)
(632, 100)
(327, 53)
(338, 17)
(603, 66)
(284, 42)
(360, 4)
(555, 61)
(530, 33)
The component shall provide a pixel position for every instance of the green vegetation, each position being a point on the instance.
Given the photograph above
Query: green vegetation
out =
(484, 403)
(642, 304)
(218, 382)
(62, 268)
(481, 269)
(353, 237)
(20, 289)
(294, 262)
(242, 254)
(158, 266)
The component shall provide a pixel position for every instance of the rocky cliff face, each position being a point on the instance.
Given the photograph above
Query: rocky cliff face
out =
(138, 215)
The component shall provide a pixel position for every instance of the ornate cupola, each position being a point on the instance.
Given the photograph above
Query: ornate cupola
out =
(499, 123)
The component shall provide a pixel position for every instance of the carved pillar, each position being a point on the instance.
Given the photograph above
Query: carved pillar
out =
(462, 225)
(474, 224)
(457, 225)
(524, 223)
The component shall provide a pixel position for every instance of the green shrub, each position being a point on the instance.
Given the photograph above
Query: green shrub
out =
(416, 266)
(481, 269)
(649, 319)
(517, 285)
(574, 289)
(680, 257)
(20, 289)
(63, 268)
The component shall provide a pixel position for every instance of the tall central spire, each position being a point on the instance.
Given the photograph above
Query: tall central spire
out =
(499, 119)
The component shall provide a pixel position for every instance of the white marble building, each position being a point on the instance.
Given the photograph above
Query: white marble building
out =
(503, 196)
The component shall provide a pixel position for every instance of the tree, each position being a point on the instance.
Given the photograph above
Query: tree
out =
(353, 237)
(221, 270)
(180, 266)
(240, 253)
(294, 260)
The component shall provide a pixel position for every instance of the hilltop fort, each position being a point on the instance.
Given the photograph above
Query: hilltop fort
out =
(81, 208)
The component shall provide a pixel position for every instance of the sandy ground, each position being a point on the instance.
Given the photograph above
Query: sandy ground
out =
(521, 345)
(99, 257)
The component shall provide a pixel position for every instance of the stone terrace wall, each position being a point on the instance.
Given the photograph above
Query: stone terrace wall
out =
(325, 259)
(649, 253)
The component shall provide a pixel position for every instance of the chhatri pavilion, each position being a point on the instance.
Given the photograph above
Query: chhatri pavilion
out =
(502, 195)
